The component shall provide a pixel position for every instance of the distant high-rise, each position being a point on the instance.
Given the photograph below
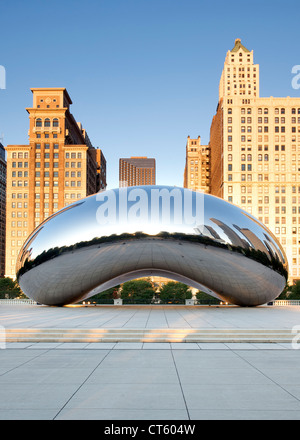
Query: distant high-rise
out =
(2, 209)
(197, 166)
(57, 167)
(135, 171)
(255, 152)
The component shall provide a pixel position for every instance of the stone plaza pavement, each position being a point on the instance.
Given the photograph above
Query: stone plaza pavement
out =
(149, 381)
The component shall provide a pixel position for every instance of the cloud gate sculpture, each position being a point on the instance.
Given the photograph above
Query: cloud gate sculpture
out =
(121, 234)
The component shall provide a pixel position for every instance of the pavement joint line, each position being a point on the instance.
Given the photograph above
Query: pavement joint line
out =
(68, 400)
(180, 384)
(24, 363)
(269, 378)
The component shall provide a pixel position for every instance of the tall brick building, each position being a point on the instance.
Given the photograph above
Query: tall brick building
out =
(197, 166)
(255, 152)
(57, 167)
(136, 171)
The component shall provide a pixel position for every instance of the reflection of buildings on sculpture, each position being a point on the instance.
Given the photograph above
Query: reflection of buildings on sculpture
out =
(71, 262)
(57, 167)
(255, 152)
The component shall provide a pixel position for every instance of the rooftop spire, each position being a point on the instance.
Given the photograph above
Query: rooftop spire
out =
(238, 45)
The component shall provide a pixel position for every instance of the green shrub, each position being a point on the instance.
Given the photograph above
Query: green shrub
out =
(174, 292)
(294, 291)
(205, 298)
(10, 288)
(136, 291)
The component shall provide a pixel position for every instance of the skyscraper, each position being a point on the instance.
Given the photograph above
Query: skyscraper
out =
(57, 167)
(2, 209)
(255, 152)
(136, 171)
(197, 167)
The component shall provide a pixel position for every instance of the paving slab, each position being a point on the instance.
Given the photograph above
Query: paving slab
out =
(149, 381)
(38, 316)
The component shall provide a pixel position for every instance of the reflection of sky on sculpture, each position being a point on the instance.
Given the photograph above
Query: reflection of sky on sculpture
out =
(79, 222)
(239, 273)
(63, 227)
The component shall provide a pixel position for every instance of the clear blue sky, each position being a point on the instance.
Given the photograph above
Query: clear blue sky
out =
(142, 74)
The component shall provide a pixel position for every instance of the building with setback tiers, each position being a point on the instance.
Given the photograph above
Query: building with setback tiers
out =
(255, 152)
(57, 167)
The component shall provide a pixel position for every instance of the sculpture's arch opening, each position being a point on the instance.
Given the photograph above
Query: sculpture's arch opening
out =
(144, 273)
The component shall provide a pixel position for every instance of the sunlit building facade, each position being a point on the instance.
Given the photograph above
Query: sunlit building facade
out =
(135, 171)
(255, 152)
(57, 167)
(197, 166)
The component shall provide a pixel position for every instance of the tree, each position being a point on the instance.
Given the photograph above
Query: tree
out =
(295, 291)
(205, 298)
(108, 294)
(10, 288)
(286, 292)
(137, 291)
(175, 292)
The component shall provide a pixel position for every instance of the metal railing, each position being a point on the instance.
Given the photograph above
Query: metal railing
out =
(281, 302)
(286, 302)
(14, 301)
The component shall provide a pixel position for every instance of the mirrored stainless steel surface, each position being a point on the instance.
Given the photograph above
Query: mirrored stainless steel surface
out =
(121, 234)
